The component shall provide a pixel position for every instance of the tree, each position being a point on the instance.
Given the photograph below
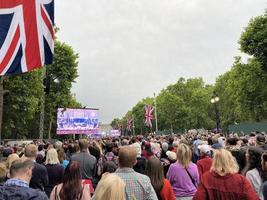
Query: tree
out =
(253, 40)
(243, 93)
(21, 104)
(61, 75)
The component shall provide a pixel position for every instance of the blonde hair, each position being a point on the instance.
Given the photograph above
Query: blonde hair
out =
(3, 171)
(110, 187)
(52, 157)
(184, 155)
(224, 163)
(10, 159)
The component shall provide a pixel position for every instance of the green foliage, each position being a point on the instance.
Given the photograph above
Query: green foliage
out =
(22, 101)
(242, 90)
(180, 106)
(62, 73)
(243, 93)
(253, 40)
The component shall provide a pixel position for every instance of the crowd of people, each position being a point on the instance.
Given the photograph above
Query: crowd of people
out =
(198, 166)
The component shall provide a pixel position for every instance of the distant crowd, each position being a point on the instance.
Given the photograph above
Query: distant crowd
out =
(195, 165)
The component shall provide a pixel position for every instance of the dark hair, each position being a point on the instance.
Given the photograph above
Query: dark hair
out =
(109, 166)
(40, 147)
(72, 182)
(232, 141)
(109, 147)
(40, 159)
(255, 161)
(61, 155)
(154, 170)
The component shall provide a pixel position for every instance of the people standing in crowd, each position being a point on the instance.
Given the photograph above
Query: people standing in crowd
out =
(3, 173)
(54, 169)
(39, 173)
(223, 181)
(171, 158)
(138, 186)
(11, 158)
(162, 186)
(204, 164)
(105, 189)
(86, 161)
(62, 157)
(183, 174)
(239, 153)
(140, 165)
(17, 187)
(71, 187)
(253, 170)
(264, 169)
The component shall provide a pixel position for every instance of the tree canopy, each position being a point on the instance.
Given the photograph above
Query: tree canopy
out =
(242, 90)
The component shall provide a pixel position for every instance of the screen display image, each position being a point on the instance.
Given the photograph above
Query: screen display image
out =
(77, 121)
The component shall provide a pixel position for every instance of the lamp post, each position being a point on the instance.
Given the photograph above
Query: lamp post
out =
(47, 79)
(214, 100)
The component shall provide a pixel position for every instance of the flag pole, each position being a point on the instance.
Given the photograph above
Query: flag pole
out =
(156, 116)
(42, 105)
(133, 127)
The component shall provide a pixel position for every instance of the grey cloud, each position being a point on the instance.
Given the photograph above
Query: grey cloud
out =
(132, 48)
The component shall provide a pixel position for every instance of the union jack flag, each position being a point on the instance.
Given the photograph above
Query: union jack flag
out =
(129, 124)
(26, 35)
(148, 115)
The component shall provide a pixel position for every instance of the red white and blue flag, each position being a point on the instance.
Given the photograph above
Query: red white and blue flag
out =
(26, 35)
(129, 124)
(148, 115)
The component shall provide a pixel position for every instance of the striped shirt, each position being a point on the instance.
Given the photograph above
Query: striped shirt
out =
(138, 186)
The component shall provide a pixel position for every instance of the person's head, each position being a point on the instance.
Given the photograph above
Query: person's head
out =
(184, 155)
(109, 147)
(224, 163)
(11, 158)
(3, 172)
(83, 144)
(61, 155)
(154, 170)
(31, 151)
(106, 190)
(165, 146)
(40, 159)
(40, 147)
(264, 162)
(21, 169)
(231, 141)
(109, 166)
(52, 157)
(171, 156)
(260, 139)
(253, 157)
(127, 157)
(204, 150)
(72, 182)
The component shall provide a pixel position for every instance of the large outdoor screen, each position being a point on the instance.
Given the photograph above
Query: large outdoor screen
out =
(77, 121)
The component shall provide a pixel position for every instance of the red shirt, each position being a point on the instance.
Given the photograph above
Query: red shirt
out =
(228, 187)
(204, 165)
(166, 192)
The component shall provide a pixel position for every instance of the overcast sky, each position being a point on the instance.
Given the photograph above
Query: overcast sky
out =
(130, 49)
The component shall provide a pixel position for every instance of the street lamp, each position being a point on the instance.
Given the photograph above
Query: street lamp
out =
(214, 100)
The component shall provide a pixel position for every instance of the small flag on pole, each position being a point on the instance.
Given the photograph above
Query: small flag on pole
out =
(148, 115)
(129, 124)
